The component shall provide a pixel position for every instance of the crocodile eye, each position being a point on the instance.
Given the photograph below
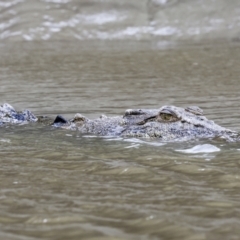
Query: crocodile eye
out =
(166, 116)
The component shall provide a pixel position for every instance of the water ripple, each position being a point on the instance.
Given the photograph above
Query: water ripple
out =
(162, 19)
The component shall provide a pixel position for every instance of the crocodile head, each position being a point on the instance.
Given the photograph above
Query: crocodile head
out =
(169, 123)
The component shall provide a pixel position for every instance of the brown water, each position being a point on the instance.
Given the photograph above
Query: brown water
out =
(165, 20)
(58, 184)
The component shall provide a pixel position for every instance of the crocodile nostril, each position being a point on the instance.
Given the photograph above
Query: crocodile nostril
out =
(197, 125)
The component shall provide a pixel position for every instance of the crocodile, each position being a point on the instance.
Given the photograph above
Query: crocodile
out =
(169, 123)
(8, 115)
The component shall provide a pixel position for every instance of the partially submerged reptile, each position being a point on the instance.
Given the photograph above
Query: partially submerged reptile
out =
(9, 115)
(169, 123)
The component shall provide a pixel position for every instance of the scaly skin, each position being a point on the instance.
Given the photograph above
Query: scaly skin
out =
(169, 123)
(9, 115)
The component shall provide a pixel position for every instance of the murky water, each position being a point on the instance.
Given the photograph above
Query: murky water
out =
(59, 184)
(165, 20)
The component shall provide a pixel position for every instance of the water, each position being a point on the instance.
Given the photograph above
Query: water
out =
(168, 21)
(59, 184)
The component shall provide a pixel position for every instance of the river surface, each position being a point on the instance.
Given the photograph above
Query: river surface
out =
(59, 184)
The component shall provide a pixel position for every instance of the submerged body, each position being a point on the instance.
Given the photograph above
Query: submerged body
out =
(169, 123)
(9, 115)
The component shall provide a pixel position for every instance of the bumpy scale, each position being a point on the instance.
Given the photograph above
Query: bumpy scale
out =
(169, 123)
(9, 115)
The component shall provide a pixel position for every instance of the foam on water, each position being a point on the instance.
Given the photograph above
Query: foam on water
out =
(202, 148)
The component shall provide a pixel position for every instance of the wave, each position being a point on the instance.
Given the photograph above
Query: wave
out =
(166, 20)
